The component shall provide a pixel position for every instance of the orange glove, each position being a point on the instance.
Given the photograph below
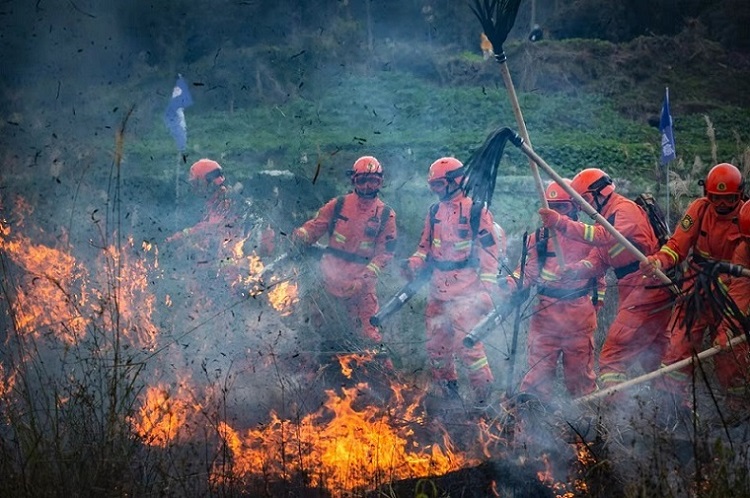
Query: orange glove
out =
(550, 218)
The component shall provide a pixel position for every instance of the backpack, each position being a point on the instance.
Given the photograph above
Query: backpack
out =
(384, 215)
(655, 217)
(474, 218)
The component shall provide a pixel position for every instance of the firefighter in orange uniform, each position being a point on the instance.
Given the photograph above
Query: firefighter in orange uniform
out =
(708, 232)
(638, 333)
(223, 224)
(361, 241)
(733, 367)
(563, 320)
(459, 245)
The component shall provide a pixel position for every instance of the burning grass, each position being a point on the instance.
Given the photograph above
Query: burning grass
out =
(116, 379)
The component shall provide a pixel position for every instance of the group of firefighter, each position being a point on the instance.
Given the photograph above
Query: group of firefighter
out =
(565, 260)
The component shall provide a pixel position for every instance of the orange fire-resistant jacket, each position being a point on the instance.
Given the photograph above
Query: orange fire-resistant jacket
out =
(462, 262)
(360, 246)
(630, 220)
(739, 287)
(702, 234)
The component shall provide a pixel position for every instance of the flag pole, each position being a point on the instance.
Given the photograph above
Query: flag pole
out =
(666, 180)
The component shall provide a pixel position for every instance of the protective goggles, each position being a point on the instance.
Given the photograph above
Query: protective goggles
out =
(212, 176)
(438, 184)
(724, 200)
(562, 207)
(367, 180)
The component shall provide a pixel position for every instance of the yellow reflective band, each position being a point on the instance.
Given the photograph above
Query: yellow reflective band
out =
(516, 275)
(588, 233)
(615, 250)
(374, 268)
(588, 264)
(339, 238)
(488, 277)
(549, 275)
(464, 244)
(666, 249)
(420, 255)
(304, 233)
(436, 243)
(479, 364)
(366, 244)
(613, 378)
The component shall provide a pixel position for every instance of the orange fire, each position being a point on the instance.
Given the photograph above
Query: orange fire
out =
(164, 415)
(338, 447)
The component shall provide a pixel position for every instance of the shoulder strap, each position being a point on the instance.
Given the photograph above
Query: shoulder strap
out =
(336, 214)
(475, 217)
(384, 217)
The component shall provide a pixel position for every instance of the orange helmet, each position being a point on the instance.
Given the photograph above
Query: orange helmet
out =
(559, 200)
(744, 219)
(593, 180)
(207, 170)
(555, 193)
(445, 175)
(724, 187)
(367, 176)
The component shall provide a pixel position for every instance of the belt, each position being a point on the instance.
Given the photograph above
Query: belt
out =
(347, 256)
(626, 270)
(566, 294)
(455, 265)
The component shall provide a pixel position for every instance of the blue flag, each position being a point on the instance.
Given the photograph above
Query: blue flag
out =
(667, 136)
(174, 117)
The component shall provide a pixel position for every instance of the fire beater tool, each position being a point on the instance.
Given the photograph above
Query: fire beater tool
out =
(497, 18)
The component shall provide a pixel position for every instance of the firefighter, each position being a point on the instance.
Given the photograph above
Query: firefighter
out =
(224, 224)
(361, 232)
(638, 334)
(708, 232)
(732, 367)
(459, 246)
(563, 320)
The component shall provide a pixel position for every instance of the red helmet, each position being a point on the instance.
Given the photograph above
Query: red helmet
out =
(555, 193)
(744, 219)
(444, 176)
(559, 200)
(593, 180)
(207, 170)
(724, 187)
(367, 176)
(366, 165)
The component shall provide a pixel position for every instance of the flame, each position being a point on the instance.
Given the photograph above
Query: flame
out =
(45, 297)
(346, 360)
(338, 447)
(163, 417)
(282, 296)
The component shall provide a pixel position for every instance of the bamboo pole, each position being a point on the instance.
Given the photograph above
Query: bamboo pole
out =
(591, 211)
(662, 371)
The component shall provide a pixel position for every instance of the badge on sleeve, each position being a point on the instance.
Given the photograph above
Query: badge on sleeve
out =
(687, 222)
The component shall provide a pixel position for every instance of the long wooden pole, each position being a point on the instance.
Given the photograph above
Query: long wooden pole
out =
(505, 72)
(662, 371)
(591, 211)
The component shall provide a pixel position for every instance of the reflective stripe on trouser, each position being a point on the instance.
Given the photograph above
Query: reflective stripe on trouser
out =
(447, 323)
(639, 334)
(682, 343)
(561, 327)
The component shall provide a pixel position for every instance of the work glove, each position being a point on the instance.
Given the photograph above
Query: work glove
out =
(550, 218)
(655, 262)
(722, 338)
(410, 267)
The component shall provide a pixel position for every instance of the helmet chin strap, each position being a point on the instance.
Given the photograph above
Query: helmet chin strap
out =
(600, 205)
(450, 194)
(364, 195)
